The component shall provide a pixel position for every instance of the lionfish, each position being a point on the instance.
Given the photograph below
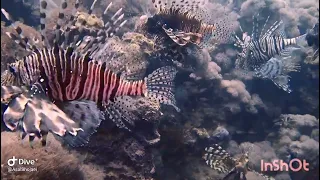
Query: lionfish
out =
(235, 168)
(182, 25)
(277, 70)
(268, 52)
(185, 22)
(258, 48)
(73, 77)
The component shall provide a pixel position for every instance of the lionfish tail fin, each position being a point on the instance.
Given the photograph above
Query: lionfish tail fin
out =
(160, 86)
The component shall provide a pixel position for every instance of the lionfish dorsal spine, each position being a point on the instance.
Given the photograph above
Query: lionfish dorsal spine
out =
(61, 17)
(264, 26)
(22, 41)
(43, 7)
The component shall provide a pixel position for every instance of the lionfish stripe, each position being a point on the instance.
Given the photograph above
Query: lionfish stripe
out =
(91, 80)
(57, 57)
(96, 82)
(36, 65)
(70, 77)
(52, 65)
(110, 84)
(132, 88)
(51, 74)
(121, 87)
(106, 78)
(102, 84)
(87, 83)
(66, 71)
(84, 70)
(114, 86)
(41, 58)
(77, 70)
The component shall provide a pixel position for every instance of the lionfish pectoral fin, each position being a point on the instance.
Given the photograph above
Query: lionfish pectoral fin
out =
(160, 86)
(10, 92)
(88, 117)
(14, 112)
(36, 115)
(282, 81)
(119, 114)
(287, 51)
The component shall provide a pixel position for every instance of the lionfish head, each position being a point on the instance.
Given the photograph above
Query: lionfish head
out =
(10, 77)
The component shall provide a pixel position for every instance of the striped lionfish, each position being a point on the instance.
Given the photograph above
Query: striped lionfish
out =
(263, 53)
(277, 70)
(184, 22)
(235, 168)
(180, 25)
(73, 77)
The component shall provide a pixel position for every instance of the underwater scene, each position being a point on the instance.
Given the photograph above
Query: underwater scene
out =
(160, 89)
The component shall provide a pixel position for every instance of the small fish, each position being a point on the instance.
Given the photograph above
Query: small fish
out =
(277, 70)
(74, 69)
(218, 159)
(258, 48)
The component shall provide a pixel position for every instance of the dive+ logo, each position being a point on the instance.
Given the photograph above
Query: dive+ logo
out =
(13, 161)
